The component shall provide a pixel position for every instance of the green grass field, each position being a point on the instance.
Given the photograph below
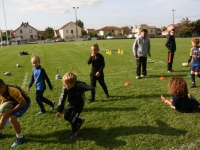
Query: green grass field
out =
(133, 118)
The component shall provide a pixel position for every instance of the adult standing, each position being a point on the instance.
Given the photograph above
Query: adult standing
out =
(171, 46)
(141, 48)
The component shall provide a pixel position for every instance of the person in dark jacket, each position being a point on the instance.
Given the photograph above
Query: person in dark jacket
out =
(97, 74)
(171, 46)
(74, 91)
(38, 77)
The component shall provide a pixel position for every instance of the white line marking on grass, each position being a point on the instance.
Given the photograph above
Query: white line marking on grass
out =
(24, 81)
(32, 55)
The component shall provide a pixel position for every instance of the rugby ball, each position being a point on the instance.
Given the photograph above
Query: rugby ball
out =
(7, 73)
(6, 106)
(185, 64)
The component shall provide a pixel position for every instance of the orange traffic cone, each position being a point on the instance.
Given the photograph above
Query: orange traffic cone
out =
(127, 84)
(162, 78)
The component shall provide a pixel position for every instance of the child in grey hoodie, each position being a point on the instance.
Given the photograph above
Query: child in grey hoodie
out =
(141, 48)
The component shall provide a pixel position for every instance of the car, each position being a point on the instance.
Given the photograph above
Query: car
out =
(130, 36)
(109, 37)
(48, 40)
(59, 40)
(5, 43)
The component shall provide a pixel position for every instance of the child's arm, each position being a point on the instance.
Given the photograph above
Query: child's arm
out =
(102, 64)
(62, 100)
(45, 76)
(89, 60)
(31, 81)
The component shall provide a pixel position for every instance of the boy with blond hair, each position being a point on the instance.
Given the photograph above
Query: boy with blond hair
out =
(195, 58)
(21, 101)
(38, 77)
(74, 91)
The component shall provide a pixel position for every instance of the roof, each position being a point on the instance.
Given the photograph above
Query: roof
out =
(25, 24)
(175, 25)
(67, 25)
(108, 28)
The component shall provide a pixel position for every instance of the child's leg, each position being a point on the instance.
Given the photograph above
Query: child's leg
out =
(194, 101)
(13, 118)
(169, 102)
(103, 84)
(93, 83)
(39, 95)
(73, 119)
(138, 63)
(3, 121)
(47, 101)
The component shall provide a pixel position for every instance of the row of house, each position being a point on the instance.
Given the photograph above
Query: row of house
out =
(71, 30)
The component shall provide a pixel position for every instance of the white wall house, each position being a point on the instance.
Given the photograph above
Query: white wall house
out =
(109, 30)
(26, 32)
(68, 31)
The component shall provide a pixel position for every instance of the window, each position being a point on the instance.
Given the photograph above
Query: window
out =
(71, 25)
(72, 31)
(31, 36)
(30, 30)
(151, 31)
(21, 31)
(66, 31)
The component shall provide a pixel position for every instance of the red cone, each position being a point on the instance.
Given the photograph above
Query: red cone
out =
(162, 78)
(127, 84)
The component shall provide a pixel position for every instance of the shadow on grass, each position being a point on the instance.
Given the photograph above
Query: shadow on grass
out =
(107, 138)
(109, 109)
(168, 75)
(131, 97)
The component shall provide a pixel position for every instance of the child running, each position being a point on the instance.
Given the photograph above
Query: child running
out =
(38, 77)
(98, 65)
(182, 101)
(21, 101)
(74, 91)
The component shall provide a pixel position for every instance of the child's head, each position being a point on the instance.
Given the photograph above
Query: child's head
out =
(69, 80)
(35, 60)
(178, 87)
(144, 33)
(172, 32)
(195, 42)
(2, 87)
(95, 48)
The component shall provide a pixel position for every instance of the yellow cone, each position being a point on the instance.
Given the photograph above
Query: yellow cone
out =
(119, 51)
(122, 51)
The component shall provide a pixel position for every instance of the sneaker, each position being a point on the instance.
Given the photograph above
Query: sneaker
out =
(74, 135)
(169, 71)
(41, 112)
(193, 85)
(52, 107)
(107, 96)
(80, 124)
(91, 100)
(18, 141)
(144, 76)
(137, 77)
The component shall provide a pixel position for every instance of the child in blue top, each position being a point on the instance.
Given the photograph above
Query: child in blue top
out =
(38, 77)
(195, 58)
(182, 101)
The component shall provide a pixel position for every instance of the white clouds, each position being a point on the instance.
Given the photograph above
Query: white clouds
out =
(52, 6)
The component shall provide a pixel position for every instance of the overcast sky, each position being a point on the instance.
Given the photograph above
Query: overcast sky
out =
(96, 14)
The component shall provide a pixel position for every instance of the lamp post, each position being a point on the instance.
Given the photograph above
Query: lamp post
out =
(76, 22)
(173, 15)
(5, 21)
(1, 37)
